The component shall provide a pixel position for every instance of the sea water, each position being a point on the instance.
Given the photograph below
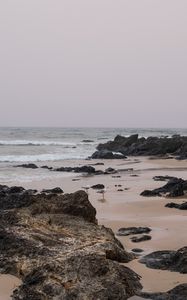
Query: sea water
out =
(22, 145)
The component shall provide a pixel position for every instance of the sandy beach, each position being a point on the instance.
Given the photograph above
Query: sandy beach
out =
(127, 208)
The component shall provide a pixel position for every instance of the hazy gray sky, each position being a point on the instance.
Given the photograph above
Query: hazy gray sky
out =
(93, 63)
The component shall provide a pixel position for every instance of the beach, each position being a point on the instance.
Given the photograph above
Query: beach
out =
(122, 206)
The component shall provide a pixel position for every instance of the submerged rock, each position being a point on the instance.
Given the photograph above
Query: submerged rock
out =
(53, 243)
(167, 260)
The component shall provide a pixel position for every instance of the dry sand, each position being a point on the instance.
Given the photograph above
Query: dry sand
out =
(127, 208)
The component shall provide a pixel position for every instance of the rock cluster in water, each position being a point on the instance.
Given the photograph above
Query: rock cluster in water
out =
(53, 243)
(151, 146)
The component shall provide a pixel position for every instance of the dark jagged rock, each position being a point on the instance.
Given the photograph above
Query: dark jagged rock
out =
(133, 230)
(177, 293)
(151, 146)
(167, 260)
(46, 167)
(27, 166)
(141, 238)
(56, 190)
(53, 243)
(83, 169)
(182, 206)
(105, 154)
(174, 188)
(98, 186)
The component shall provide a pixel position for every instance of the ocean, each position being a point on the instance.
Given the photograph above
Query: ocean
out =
(21, 145)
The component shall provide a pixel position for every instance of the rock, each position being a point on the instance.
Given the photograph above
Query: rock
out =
(174, 188)
(152, 146)
(120, 190)
(141, 238)
(167, 260)
(46, 167)
(83, 169)
(177, 293)
(137, 250)
(163, 178)
(182, 206)
(105, 154)
(87, 141)
(98, 186)
(98, 164)
(53, 243)
(56, 190)
(27, 166)
(110, 171)
(133, 230)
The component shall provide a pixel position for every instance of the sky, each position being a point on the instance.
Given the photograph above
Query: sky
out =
(93, 63)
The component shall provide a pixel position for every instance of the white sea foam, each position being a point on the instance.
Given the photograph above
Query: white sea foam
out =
(35, 143)
(41, 157)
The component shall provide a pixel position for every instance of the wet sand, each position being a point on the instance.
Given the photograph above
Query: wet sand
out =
(127, 208)
(8, 283)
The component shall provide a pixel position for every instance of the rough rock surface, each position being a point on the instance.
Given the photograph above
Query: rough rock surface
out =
(133, 230)
(53, 243)
(167, 260)
(105, 154)
(177, 293)
(174, 188)
(151, 146)
(56, 190)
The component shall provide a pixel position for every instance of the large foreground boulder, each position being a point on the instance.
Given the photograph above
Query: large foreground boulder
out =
(53, 243)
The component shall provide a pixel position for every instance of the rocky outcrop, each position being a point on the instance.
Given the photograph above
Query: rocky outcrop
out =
(174, 188)
(178, 293)
(167, 260)
(151, 146)
(53, 243)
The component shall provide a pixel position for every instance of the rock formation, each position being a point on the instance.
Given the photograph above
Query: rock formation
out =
(53, 243)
